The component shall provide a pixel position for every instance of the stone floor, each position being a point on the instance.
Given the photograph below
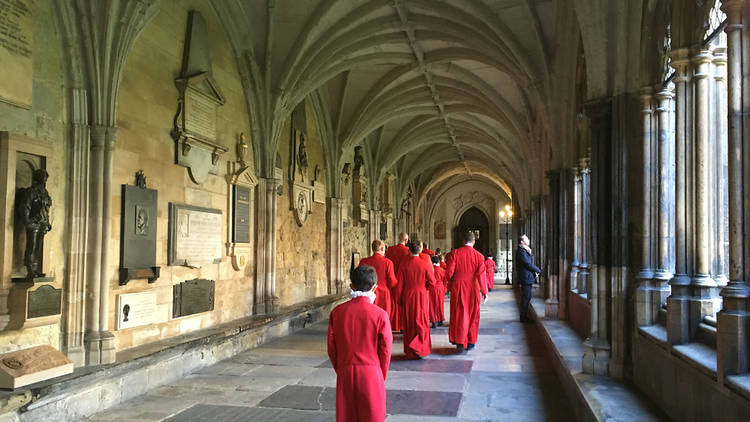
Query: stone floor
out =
(508, 377)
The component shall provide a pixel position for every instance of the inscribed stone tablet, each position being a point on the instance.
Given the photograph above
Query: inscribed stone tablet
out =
(44, 301)
(241, 215)
(32, 365)
(192, 297)
(200, 114)
(16, 51)
(194, 235)
(135, 309)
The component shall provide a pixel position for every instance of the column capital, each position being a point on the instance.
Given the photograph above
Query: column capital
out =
(733, 10)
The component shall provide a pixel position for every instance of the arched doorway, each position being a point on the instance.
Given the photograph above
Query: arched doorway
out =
(474, 220)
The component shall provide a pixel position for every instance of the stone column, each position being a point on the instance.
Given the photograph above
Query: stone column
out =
(584, 274)
(574, 270)
(703, 286)
(734, 319)
(563, 242)
(552, 303)
(664, 264)
(266, 301)
(719, 165)
(677, 302)
(645, 313)
(335, 232)
(98, 341)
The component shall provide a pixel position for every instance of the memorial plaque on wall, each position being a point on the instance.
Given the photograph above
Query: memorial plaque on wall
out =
(136, 309)
(194, 235)
(138, 233)
(240, 214)
(44, 301)
(192, 297)
(16, 51)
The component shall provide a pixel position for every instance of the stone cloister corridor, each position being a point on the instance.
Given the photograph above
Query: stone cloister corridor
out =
(186, 187)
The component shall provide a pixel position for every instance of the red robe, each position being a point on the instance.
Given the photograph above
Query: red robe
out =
(428, 252)
(428, 260)
(416, 277)
(396, 253)
(465, 271)
(437, 295)
(359, 346)
(490, 266)
(386, 280)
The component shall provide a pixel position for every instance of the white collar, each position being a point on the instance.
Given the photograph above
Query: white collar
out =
(527, 248)
(356, 293)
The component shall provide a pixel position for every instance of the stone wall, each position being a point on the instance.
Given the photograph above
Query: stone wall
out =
(147, 106)
(44, 121)
(301, 251)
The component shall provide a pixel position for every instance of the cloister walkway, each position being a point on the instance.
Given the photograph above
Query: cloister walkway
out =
(508, 377)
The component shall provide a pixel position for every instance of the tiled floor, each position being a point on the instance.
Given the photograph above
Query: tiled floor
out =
(507, 377)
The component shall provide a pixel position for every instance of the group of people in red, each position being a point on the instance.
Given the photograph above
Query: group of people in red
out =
(407, 283)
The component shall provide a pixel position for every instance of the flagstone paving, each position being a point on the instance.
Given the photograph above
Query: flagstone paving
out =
(507, 377)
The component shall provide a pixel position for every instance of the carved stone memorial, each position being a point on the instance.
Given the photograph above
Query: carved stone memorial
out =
(17, 52)
(192, 297)
(194, 235)
(194, 128)
(241, 181)
(136, 309)
(138, 232)
(28, 366)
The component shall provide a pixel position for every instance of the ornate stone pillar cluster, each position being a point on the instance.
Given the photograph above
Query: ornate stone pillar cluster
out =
(574, 265)
(657, 244)
(552, 302)
(733, 342)
(335, 233)
(597, 346)
(266, 300)
(584, 267)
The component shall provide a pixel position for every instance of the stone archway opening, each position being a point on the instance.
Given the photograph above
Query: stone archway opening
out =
(476, 221)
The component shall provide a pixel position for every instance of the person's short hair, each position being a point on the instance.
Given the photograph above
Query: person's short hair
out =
(377, 244)
(415, 247)
(468, 237)
(520, 238)
(363, 278)
(435, 260)
(403, 236)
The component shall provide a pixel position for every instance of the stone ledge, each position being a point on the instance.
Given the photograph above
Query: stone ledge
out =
(698, 355)
(656, 333)
(93, 389)
(593, 398)
(740, 384)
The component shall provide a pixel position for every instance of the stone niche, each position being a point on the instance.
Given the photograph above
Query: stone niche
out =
(24, 303)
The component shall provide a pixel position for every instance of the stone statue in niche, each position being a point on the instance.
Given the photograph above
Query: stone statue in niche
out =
(346, 172)
(359, 161)
(32, 212)
(363, 198)
(302, 156)
(242, 147)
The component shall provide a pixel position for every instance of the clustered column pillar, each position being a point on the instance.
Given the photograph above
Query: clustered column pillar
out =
(664, 264)
(645, 313)
(734, 319)
(552, 303)
(678, 301)
(335, 232)
(584, 275)
(266, 301)
(576, 230)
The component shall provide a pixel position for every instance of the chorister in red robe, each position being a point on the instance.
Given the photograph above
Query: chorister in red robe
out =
(417, 278)
(396, 253)
(386, 280)
(427, 260)
(359, 346)
(465, 272)
(437, 295)
(490, 266)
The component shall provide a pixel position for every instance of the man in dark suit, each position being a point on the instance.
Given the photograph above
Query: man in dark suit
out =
(527, 273)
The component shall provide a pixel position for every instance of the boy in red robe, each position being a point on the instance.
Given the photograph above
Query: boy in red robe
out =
(386, 276)
(417, 278)
(396, 253)
(359, 346)
(465, 272)
(490, 266)
(437, 294)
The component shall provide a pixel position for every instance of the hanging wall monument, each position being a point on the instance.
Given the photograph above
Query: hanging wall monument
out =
(138, 232)
(16, 52)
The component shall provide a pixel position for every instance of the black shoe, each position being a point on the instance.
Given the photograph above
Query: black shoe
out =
(433, 325)
(471, 347)
(440, 324)
(459, 349)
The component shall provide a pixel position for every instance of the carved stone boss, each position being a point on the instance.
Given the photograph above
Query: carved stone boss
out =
(138, 232)
(194, 128)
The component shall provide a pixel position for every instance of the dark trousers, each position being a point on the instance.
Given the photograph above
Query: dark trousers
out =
(525, 299)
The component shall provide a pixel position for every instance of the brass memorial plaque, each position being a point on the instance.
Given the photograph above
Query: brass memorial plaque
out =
(192, 297)
(44, 301)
